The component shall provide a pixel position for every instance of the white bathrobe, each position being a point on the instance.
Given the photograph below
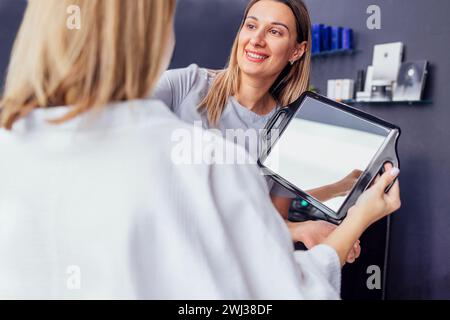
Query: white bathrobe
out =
(96, 208)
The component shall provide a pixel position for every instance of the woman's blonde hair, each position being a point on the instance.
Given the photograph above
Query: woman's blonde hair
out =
(115, 55)
(289, 85)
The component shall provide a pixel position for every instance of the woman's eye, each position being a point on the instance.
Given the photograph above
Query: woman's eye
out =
(250, 26)
(275, 32)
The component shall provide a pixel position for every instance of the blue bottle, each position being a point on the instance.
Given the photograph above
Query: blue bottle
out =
(325, 38)
(316, 38)
(336, 38)
(347, 39)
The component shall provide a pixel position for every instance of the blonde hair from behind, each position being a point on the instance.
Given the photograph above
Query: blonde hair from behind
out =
(116, 55)
(291, 82)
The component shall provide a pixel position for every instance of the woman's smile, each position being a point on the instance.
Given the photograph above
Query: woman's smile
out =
(254, 56)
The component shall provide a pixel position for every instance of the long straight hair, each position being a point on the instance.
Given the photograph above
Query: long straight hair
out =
(116, 55)
(290, 84)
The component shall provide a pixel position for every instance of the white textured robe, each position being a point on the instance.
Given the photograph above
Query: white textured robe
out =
(95, 208)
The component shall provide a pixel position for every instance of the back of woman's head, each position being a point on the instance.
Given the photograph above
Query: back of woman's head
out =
(116, 54)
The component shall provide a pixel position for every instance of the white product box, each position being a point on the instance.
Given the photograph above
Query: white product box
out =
(338, 89)
(347, 89)
(331, 89)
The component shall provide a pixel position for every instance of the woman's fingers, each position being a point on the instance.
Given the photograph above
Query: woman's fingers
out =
(356, 174)
(354, 253)
(351, 256)
(376, 180)
(358, 250)
(387, 178)
(393, 196)
(388, 166)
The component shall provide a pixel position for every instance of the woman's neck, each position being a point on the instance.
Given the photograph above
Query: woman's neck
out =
(254, 95)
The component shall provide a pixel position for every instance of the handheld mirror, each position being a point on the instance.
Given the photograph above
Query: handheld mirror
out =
(326, 152)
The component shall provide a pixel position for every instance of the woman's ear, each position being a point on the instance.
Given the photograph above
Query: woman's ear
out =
(299, 51)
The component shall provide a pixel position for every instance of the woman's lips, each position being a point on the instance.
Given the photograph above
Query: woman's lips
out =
(255, 56)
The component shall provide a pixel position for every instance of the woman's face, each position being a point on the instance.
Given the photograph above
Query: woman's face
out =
(268, 40)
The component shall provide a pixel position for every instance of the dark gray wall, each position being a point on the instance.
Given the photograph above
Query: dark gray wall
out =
(419, 262)
(205, 30)
(10, 15)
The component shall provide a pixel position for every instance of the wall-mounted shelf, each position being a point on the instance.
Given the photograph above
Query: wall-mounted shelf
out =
(406, 102)
(331, 53)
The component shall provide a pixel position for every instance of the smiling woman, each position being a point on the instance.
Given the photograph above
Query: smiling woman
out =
(271, 53)
(269, 67)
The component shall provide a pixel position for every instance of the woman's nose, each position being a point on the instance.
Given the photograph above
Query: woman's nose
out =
(257, 39)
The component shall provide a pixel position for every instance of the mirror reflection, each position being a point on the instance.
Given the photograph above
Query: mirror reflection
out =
(324, 150)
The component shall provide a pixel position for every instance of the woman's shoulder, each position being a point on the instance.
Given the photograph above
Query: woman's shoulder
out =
(188, 74)
(191, 75)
